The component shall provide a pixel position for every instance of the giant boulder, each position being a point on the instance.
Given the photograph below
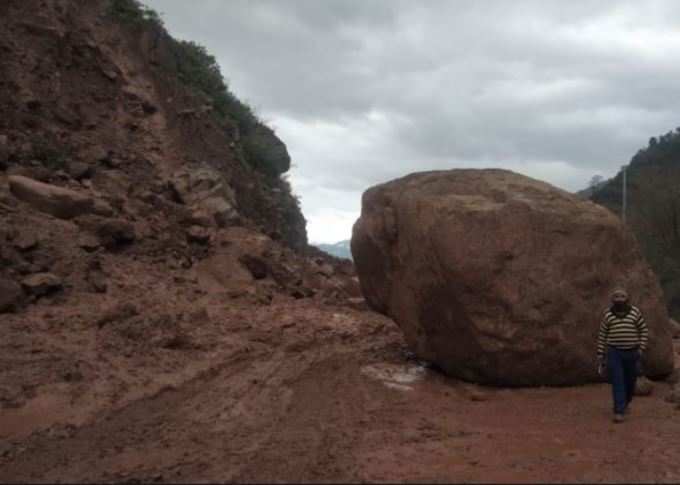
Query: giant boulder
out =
(501, 279)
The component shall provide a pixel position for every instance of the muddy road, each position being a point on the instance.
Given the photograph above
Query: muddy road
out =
(295, 392)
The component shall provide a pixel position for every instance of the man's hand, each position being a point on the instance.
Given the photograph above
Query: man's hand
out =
(638, 365)
(601, 365)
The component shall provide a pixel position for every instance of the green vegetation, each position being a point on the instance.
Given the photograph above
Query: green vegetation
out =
(199, 71)
(653, 208)
(133, 12)
(664, 149)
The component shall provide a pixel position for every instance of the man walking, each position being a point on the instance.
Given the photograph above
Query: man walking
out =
(621, 341)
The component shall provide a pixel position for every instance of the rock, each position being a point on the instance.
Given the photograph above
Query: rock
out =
(200, 218)
(102, 208)
(149, 108)
(96, 276)
(116, 232)
(25, 241)
(477, 395)
(98, 281)
(675, 328)
(326, 270)
(674, 376)
(57, 201)
(358, 304)
(10, 295)
(42, 284)
(43, 259)
(501, 279)
(222, 211)
(119, 313)
(206, 192)
(107, 157)
(643, 387)
(302, 292)
(674, 396)
(257, 266)
(79, 170)
(88, 242)
(199, 235)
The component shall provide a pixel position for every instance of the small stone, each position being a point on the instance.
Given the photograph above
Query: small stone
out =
(25, 241)
(88, 242)
(674, 396)
(257, 266)
(643, 387)
(42, 284)
(120, 312)
(475, 395)
(102, 208)
(116, 232)
(200, 218)
(98, 281)
(199, 235)
(79, 170)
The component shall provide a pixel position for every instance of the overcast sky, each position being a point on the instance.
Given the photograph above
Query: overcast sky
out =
(364, 91)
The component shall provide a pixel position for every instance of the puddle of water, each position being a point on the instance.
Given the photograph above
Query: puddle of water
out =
(394, 376)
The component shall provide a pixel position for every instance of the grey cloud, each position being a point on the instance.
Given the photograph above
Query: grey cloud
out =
(364, 90)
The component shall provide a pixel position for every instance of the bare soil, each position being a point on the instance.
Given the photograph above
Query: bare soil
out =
(299, 392)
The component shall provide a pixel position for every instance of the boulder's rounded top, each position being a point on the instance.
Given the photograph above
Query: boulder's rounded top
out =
(486, 190)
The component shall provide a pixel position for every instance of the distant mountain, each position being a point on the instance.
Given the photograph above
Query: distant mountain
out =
(588, 192)
(339, 250)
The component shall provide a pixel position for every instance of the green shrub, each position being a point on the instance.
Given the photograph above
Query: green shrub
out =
(200, 72)
(133, 12)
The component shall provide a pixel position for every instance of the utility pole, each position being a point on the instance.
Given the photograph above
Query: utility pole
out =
(624, 202)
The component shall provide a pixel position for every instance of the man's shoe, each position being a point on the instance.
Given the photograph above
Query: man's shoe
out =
(627, 409)
(618, 418)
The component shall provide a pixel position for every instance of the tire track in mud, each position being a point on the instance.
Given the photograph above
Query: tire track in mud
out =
(142, 427)
(253, 416)
(314, 439)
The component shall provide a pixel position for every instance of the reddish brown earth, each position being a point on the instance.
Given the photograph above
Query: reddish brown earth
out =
(297, 391)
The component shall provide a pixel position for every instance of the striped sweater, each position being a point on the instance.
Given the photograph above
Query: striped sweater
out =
(627, 332)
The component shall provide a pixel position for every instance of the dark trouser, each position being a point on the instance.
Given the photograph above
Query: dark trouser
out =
(622, 370)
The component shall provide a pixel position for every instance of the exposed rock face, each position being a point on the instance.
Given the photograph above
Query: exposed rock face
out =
(499, 278)
(206, 192)
(57, 201)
